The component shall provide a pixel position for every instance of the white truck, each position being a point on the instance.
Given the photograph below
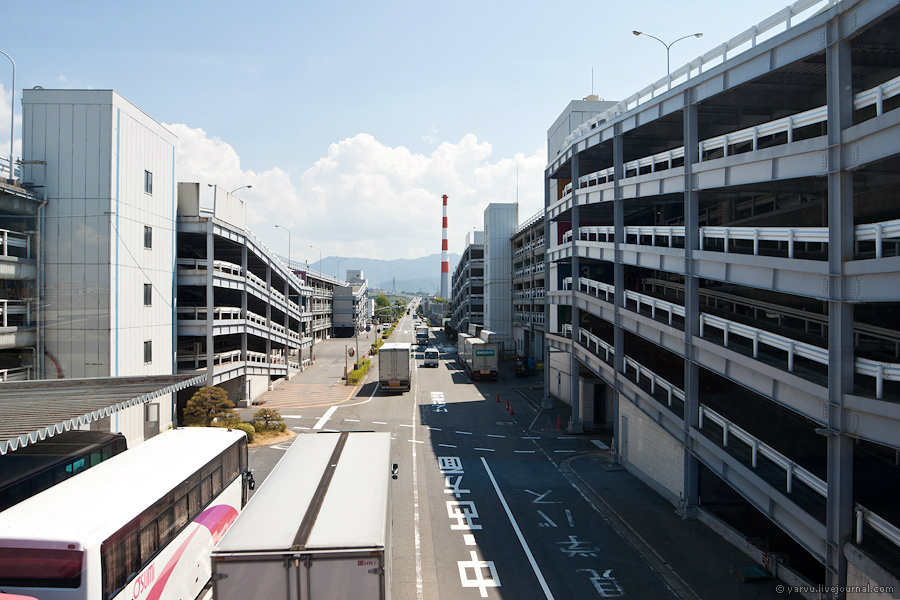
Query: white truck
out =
(480, 359)
(432, 358)
(394, 368)
(319, 527)
(422, 335)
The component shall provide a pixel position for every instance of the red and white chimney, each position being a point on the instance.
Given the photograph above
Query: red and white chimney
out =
(445, 257)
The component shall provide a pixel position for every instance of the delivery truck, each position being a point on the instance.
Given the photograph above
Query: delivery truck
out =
(422, 335)
(480, 359)
(394, 368)
(318, 528)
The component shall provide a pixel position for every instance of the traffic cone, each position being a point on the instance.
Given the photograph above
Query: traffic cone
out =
(511, 411)
(507, 405)
(558, 422)
(498, 397)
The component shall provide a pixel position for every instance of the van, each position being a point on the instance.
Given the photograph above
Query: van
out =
(432, 357)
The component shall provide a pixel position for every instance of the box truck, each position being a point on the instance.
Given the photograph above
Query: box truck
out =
(422, 335)
(317, 529)
(480, 360)
(394, 368)
(432, 358)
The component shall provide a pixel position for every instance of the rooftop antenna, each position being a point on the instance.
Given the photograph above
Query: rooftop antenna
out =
(592, 80)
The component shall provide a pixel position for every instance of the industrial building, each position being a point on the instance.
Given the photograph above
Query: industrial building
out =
(723, 287)
(467, 285)
(528, 287)
(500, 220)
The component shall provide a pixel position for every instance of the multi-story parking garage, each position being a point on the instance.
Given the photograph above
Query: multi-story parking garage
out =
(724, 285)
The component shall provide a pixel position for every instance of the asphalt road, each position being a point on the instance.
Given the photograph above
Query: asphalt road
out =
(482, 507)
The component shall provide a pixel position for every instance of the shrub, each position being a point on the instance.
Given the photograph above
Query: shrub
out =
(248, 429)
(378, 344)
(210, 403)
(267, 419)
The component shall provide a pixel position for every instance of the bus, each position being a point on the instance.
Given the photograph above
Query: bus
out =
(139, 526)
(38, 466)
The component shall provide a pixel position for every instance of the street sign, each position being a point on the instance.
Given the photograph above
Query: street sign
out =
(368, 328)
(351, 352)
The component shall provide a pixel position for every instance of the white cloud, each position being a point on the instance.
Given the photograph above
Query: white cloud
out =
(367, 199)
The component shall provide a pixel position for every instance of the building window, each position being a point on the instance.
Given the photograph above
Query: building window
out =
(148, 294)
(148, 352)
(148, 237)
(148, 182)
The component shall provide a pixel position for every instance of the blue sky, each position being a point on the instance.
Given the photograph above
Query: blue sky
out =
(360, 110)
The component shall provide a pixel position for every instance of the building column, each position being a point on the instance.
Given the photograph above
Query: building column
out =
(691, 494)
(548, 400)
(575, 423)
(244, 293)
(841, 359)
(618, 280)
(210, 304)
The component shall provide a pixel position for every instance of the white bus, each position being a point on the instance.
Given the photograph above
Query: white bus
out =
(138, 526)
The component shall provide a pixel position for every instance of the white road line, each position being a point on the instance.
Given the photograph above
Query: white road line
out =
(485, 449)
(321, 422)
(569, 517)
(531, 438)
(447, 445)
(465, 432)
(291, 416)
(352, 420)
(523, 451)
(420, 589)
(434, 429)
(496, 436)
(564, 451)
(379, 422)
(305, 428)
(566, 438)
(405, 425)
(512, 520)
(417, 441)
(600, 444)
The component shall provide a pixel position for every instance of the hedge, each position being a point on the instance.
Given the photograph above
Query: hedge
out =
(356, 376)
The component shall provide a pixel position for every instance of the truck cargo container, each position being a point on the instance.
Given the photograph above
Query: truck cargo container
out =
(480, 360)
(461, 347)
(394, 368)
(422, 335)
(317, 529)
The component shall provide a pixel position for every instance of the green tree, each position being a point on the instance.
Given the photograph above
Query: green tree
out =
(381, 301)
(210, 403)
(268, 419)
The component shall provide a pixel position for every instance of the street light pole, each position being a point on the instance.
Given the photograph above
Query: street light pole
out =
(668, 46)
(12, 116)
(339, 261)
(320, 257)
(240, 188)
(289, 245)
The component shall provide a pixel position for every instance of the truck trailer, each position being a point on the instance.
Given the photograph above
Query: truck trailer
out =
(317, 529)
(394, 368)
(480, 359)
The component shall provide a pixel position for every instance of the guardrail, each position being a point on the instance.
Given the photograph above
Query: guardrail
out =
(14, 239)
(15, 374)
(10, 308)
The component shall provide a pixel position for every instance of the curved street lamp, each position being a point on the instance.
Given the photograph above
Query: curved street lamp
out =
(289, 241)
(240, 188)
(668, 68)
(320, 256)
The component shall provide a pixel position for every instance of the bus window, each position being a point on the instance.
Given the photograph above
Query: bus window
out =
(40, 567)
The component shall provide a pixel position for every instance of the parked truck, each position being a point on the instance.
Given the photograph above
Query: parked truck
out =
(461, 347)
(480, 359)
(319, 527)
(422, 335)
(394, 369)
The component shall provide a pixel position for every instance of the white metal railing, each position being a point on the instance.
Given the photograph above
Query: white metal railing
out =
(794, 471)
(748, 39)
(787, 125)
(15, 374)
(14, 239)
(672, 392)
(5, 170)
(595, 344)
(9, 308)
(868, 232)
(759, 336)
(530, 221)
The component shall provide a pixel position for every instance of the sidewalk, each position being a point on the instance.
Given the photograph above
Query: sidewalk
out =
(694, 561)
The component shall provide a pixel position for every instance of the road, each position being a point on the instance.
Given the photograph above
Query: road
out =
(483, 506)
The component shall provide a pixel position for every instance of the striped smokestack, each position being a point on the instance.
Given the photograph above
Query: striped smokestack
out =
(445, 256)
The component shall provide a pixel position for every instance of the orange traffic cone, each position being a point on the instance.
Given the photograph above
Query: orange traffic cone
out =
(498, 397)
(511, 411)
(558, 422)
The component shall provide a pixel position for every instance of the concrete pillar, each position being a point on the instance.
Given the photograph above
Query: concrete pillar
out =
(618, 278)
(575, 424)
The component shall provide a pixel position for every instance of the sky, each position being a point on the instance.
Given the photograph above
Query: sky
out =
(351, 119)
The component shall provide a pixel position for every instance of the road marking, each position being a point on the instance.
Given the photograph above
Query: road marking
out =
(600, 444)
(420, 591)
(567, 437)
(531, 438)
(304, 428)
(447, 445)
(417, 441)
(540, 497)
(434, 429)
(512, 520)
(485, 449)
(465, 432)
(469, 539)
(564, 451)
(379, 422)
(321, 422)
(523, 451)
(405, 425)
(352, 420)
(478, 567)
(496, 436)
(569, 517)
(291, 416)
(549, 521)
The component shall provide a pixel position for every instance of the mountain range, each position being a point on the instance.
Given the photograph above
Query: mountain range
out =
(400, 275)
